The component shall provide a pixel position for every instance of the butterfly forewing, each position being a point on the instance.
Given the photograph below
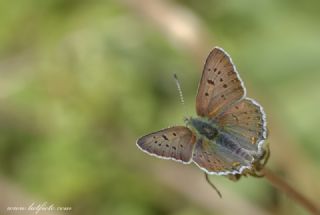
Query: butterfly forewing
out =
(175, 143)
(245, 122)
(220, 85)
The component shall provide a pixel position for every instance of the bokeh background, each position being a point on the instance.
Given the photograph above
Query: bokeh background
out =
(81, 80)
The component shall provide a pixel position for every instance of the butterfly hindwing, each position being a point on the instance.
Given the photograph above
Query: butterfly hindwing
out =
(223, 156)
(220, 85)
(174, 143)
(245, 122)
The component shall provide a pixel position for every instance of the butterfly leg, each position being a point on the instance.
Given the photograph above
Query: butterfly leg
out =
(267, 156)
(235, 177)
(212, 185)
(256, 172)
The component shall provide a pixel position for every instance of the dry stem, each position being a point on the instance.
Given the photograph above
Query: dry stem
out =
(283, 186)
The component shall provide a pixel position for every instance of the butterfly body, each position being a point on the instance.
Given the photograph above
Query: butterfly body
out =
(208, 133)
(203, 127)
(227, 137)
(212, 141)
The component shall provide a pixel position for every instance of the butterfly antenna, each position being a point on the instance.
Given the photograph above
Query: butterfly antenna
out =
(212, 185)
(179, 87)
(180, 91)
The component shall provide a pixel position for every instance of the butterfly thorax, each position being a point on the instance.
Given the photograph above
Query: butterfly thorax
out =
(208, 133)
(203, 127)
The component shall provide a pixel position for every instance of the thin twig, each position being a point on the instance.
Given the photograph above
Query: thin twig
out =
(283, 186)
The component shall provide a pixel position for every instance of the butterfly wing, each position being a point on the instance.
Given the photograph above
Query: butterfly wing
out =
(245, 122)
(220, 85)
(174, 143)
(222, 156)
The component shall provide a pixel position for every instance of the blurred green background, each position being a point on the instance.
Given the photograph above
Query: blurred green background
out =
(82, 80)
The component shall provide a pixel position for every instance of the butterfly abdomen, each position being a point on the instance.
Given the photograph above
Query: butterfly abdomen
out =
(233, 147)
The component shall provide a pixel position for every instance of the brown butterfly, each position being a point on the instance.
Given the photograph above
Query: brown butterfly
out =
(227, 137)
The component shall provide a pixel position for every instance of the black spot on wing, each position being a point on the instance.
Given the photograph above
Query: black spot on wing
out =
(210, 82)
(165, 137)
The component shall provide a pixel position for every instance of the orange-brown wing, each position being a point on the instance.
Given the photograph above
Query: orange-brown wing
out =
(245, 123)
(174, 143)
(220, 85)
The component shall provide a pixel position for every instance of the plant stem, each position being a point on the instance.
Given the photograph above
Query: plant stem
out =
(283, 186)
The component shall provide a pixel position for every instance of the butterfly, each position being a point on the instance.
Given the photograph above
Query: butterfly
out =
(228, 136)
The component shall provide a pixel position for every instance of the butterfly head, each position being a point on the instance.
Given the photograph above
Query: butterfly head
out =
(187, 120)
(191, 122)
